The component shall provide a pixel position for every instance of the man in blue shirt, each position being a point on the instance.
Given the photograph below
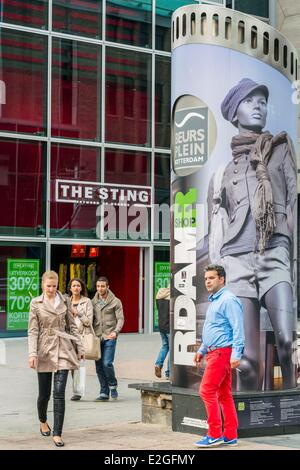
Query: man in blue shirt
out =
(222, 343)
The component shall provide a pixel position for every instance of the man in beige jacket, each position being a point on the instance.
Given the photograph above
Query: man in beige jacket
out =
(108, 322)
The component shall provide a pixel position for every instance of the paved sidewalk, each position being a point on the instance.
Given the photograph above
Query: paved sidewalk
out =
(93, 425)
(124, 436)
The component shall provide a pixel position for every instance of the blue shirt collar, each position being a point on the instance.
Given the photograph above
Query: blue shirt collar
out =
(217, 294)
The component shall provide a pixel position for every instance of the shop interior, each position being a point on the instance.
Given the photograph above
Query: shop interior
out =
(121, 266)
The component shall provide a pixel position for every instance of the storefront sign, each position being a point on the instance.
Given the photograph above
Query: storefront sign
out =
(94, 252)
(83, 192)
(161, 279)
(22, 286)
(78, 251)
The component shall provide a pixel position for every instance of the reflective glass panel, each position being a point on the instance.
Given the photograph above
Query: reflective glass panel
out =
(33, 13)
(253, 7)
(129, 169)
(126, 223)
(129, 22)
(162, 101)
(23, 82)
(162, 178)
(21, 267)
(218, 2)
(73, 163)
(126, 167)
(164, 11)
(80, 17)
(22, 187)
(76, 90)
(128, 97)
(162, 197)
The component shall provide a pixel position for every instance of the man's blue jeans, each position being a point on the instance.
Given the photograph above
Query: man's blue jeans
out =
(163, 353)
(104, 367)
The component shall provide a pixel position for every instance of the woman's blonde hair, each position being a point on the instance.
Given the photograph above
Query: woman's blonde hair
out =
(49, 275)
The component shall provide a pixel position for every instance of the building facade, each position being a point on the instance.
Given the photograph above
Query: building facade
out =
(84, 118)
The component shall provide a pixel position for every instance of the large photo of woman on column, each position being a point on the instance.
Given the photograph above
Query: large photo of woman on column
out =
(256, 199)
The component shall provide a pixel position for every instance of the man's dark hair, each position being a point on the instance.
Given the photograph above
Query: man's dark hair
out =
(102, 279)
(216, 267)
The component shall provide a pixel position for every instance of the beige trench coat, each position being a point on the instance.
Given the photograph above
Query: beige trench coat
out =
(50, 335)
(108, 317)
(84, 313)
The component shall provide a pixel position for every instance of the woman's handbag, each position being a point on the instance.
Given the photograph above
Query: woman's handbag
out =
(91, 344)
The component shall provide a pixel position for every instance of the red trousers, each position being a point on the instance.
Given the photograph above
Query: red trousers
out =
(215, 391)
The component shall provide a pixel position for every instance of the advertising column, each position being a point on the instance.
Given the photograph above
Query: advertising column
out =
(234, 189)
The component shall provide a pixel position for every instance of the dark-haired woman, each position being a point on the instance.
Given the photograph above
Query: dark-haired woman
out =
(82, 310)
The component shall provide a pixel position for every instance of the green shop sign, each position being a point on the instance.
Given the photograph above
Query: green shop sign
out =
(22, 285)
(161, 279)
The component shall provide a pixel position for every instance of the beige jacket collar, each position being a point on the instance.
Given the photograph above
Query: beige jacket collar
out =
(59, 309)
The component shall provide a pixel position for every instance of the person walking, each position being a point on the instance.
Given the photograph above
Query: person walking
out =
(223, 344)
(51, 331)
(163, 304)
(82, 310)
(108, 322)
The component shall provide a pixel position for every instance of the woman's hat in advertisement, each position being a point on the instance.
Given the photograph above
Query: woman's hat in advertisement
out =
(237, 94)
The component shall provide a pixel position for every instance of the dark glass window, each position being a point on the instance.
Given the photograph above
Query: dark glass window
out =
(128, 97)
(253, 7)
(127, 167)
(23, 81)
(76, 90)
(164, 11)
(33, 13)
(22, 187)
(162, 178)
(73, 163)
(21, 267)
(162, 101)
(162, 197)
(129, 22)
(221, 2)
(126, 223)
(80, 17)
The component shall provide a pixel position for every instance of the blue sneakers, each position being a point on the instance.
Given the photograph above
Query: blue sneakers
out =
(230, 442)
(114, 393)
(208, 441)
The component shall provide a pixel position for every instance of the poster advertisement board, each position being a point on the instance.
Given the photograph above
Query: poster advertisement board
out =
(161, 279)
(234, 130)
(23, 283)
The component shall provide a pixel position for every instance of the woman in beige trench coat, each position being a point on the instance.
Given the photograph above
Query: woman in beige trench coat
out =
(82, 310)
(51, 331)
